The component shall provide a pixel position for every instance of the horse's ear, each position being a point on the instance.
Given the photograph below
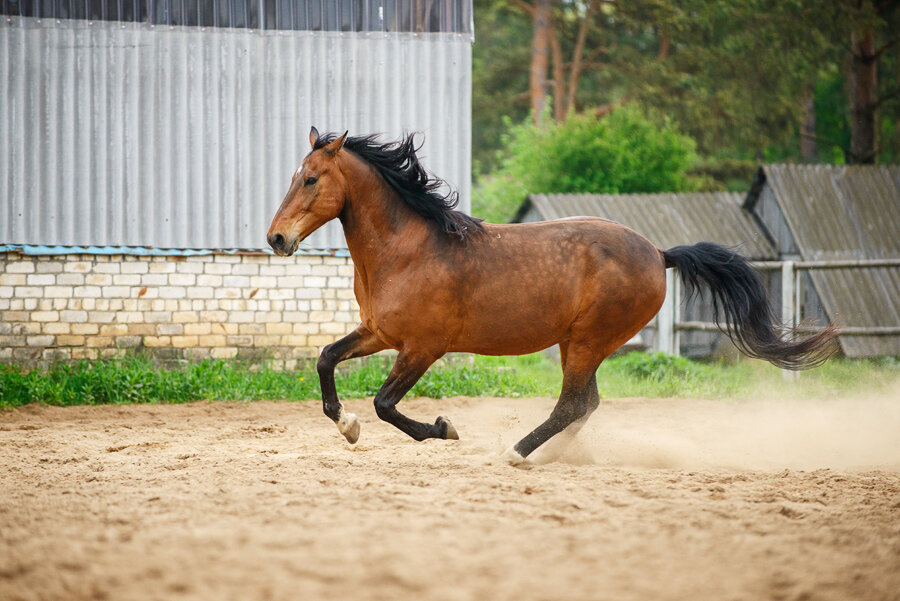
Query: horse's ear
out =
(336, 145)
(313, 136)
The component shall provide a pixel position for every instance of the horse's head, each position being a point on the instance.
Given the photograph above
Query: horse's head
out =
(316, 196)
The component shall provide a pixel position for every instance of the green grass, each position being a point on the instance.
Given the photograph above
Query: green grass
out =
(139, 380)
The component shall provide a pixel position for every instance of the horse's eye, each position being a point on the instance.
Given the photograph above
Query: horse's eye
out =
(310, 181)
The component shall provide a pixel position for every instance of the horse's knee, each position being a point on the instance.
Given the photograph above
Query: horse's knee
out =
(384, 408)
(327, 360)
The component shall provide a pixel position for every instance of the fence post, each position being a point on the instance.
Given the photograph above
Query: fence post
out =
(676, 313)
(787, 308)
(665, 320)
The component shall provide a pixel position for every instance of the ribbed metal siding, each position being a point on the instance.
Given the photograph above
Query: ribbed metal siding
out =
(837, 212)
(126, 134)
(665, 219)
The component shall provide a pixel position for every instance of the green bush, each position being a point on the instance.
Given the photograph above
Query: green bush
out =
(619, 153)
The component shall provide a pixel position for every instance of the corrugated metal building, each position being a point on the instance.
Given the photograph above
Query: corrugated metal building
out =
(170, 124)
(148, 140)
(828, 212)
(667, 220)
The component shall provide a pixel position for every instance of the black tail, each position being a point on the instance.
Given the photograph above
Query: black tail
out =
(749, 321)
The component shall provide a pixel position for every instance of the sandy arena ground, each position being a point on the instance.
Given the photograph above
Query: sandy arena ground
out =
(655, 500)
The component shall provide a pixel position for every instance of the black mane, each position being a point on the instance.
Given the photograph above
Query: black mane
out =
(398, 164)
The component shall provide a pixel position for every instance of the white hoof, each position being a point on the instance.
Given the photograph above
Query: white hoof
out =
(511, 457)
(348, 425)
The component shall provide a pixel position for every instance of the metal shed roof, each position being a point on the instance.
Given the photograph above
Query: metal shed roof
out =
(667, 219)
(844, 212)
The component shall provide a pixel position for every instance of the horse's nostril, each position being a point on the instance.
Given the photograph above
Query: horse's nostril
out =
(276, 241)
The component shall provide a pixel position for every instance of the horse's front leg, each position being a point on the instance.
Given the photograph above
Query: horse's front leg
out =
(359, 343)
(406, 372)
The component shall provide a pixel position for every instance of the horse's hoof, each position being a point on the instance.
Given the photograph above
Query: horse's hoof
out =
(348, 424)
(511, 457)
(448, 432)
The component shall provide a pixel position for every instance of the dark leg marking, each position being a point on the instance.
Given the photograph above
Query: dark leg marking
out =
(359, 343)
(403, 377)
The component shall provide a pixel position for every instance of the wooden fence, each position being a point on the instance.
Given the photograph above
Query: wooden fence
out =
(669, 319)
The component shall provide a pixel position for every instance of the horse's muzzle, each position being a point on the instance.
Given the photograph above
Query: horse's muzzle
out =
(281, 245)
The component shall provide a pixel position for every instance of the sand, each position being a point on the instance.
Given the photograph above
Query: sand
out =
(654, 500)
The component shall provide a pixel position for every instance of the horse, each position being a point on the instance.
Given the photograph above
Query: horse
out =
(431, 280)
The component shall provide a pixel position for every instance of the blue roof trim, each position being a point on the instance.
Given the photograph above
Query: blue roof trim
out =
(29, 249)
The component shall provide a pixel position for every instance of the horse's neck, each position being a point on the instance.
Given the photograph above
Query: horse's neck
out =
(378, 225)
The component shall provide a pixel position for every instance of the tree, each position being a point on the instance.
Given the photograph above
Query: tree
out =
(621, 152)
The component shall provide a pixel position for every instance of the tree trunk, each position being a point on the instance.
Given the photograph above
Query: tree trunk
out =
(808, 149)
(540, 59)
(577, 64)
(559, 79)
(863, 84)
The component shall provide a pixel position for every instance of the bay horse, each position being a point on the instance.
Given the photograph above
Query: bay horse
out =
(431, 280)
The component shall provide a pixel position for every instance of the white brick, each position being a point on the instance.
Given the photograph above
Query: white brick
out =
(45, 316)
(162, 267)
(87, 291)
(77, 267)
(245, 269)
(98, 279)
(101, 316)
(12, 279)
(126, 279)
(116, 291)
(217, 268)
(135, 267)
(29, 292)
(157, 316)
(23, 266)
(107, 268)
(200, 292)
(236, 281)
(70, 279)
(227, 258)
(189, 267)
(172, 292)
(209, 280)
(58, 291)
(49, 267)
(324, 270)
(182, 279)
(228, 293)
(273, 270)
(263, 281)
(291, 281)
(6, 291)
(153, 279)
(311, 281)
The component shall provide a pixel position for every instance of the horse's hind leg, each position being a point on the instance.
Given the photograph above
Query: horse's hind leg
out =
(359, 343)
(406, 372)
(577, 400)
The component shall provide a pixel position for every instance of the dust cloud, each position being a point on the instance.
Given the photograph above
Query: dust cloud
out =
(858, 433)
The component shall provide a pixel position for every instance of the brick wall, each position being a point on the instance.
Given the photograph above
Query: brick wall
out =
(253, 306)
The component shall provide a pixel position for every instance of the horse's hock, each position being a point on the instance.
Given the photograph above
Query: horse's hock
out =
(252, 306)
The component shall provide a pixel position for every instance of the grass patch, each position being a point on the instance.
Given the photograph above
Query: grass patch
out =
(139, 380)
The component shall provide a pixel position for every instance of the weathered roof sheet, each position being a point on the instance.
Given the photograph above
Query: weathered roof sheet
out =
(845, 212)
(667, 219)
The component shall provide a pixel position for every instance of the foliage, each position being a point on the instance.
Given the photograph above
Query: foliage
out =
(139, 380)
(619, 153)
(734, 75)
